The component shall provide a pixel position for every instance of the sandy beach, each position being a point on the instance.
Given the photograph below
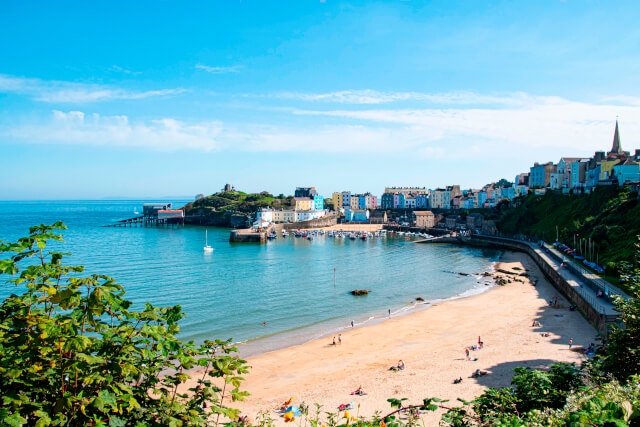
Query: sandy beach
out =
(432, 344)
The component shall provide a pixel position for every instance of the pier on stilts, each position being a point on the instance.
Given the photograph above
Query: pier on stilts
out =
(154, 215)
(142, 221)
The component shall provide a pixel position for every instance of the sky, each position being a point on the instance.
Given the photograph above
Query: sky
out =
(151, 99)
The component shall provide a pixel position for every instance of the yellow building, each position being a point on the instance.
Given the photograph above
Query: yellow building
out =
(337, 201)
(284, 216)
(606, 168)
(354, 202)
(302, 204)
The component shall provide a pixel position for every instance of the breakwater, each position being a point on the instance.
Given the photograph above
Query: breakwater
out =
(580, 291)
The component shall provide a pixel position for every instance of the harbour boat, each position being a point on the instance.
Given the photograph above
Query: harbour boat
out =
(207, 248)
(135, 211)
(310, 237)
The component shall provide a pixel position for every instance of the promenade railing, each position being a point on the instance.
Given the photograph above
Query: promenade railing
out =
(578, 279)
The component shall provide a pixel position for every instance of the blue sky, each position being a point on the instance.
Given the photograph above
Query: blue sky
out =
(158, 98)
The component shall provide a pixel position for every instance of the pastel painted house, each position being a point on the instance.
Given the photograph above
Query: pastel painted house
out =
(356, 215)
(422, 201)
(302, 203)
(629, 171)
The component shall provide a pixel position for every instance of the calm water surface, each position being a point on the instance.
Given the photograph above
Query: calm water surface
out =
(288, 283)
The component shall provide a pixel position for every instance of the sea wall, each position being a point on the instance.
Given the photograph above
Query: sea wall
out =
(246, 236)
(325, 221)
(590, 313)
(432, 231)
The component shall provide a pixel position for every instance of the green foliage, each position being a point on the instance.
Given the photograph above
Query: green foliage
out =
(532, 390)
(234, 201)
(621, 355)
(72, 352)
(610, 216)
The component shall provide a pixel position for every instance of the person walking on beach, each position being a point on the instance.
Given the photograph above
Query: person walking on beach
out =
(334, 340)
(466, 352)
(389, 313)
(570, 342)
(352, 323)
(339, 338)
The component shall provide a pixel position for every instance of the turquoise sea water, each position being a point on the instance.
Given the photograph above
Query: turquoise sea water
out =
(288, 283)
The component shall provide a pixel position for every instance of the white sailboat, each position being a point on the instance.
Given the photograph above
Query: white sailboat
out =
(207, 248)
(135, 211)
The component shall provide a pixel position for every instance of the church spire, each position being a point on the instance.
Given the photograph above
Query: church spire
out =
(616, 141)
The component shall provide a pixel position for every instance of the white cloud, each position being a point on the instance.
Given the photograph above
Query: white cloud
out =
(118, 69)
(68, 92)
(78, 128)
(542, 127)
(538, 122)
(369, 97)
(219, 70)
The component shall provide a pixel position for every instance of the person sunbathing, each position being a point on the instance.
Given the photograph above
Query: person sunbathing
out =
(478, 373)
(457, 380)
(359, 392)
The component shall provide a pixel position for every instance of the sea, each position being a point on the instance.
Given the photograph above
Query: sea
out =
(263, 296)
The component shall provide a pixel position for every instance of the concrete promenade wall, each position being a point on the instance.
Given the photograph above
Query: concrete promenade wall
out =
(325, 221)
(587, 309)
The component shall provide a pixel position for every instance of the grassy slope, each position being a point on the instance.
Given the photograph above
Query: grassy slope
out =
(234, 201)
(610, 216)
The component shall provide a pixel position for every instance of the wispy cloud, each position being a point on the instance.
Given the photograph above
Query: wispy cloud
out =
(69, 92)
(539, 122)
(78, 128)
(543, 127)
(219, 70)
(119, 69)
(369, 97)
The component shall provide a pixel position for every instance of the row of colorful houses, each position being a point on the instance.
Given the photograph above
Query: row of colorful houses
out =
(583, 174)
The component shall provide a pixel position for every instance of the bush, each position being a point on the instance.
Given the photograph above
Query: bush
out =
(72, 352)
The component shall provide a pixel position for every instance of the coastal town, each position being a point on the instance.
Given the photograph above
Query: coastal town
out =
(441, 207)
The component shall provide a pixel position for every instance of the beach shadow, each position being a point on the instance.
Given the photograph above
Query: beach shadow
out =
(555, 320)
(500, 375)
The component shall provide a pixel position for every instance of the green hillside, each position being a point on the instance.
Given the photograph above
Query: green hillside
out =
(235, 201)
(610, 216)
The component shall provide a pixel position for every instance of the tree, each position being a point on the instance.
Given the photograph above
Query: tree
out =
(621, 350)
(73, 352)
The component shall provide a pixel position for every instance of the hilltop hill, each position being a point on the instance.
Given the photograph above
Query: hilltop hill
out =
(610, 216)
(219, 208)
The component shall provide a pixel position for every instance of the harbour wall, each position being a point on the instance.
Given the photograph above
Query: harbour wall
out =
(325, 221)
(249, 235)
(599, 320)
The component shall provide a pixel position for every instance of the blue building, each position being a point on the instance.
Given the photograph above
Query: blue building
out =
(482, 197)
(540, 175)
(386, 201)
(356, 215)
(508, 193)
(318, 203)
(422, 201)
